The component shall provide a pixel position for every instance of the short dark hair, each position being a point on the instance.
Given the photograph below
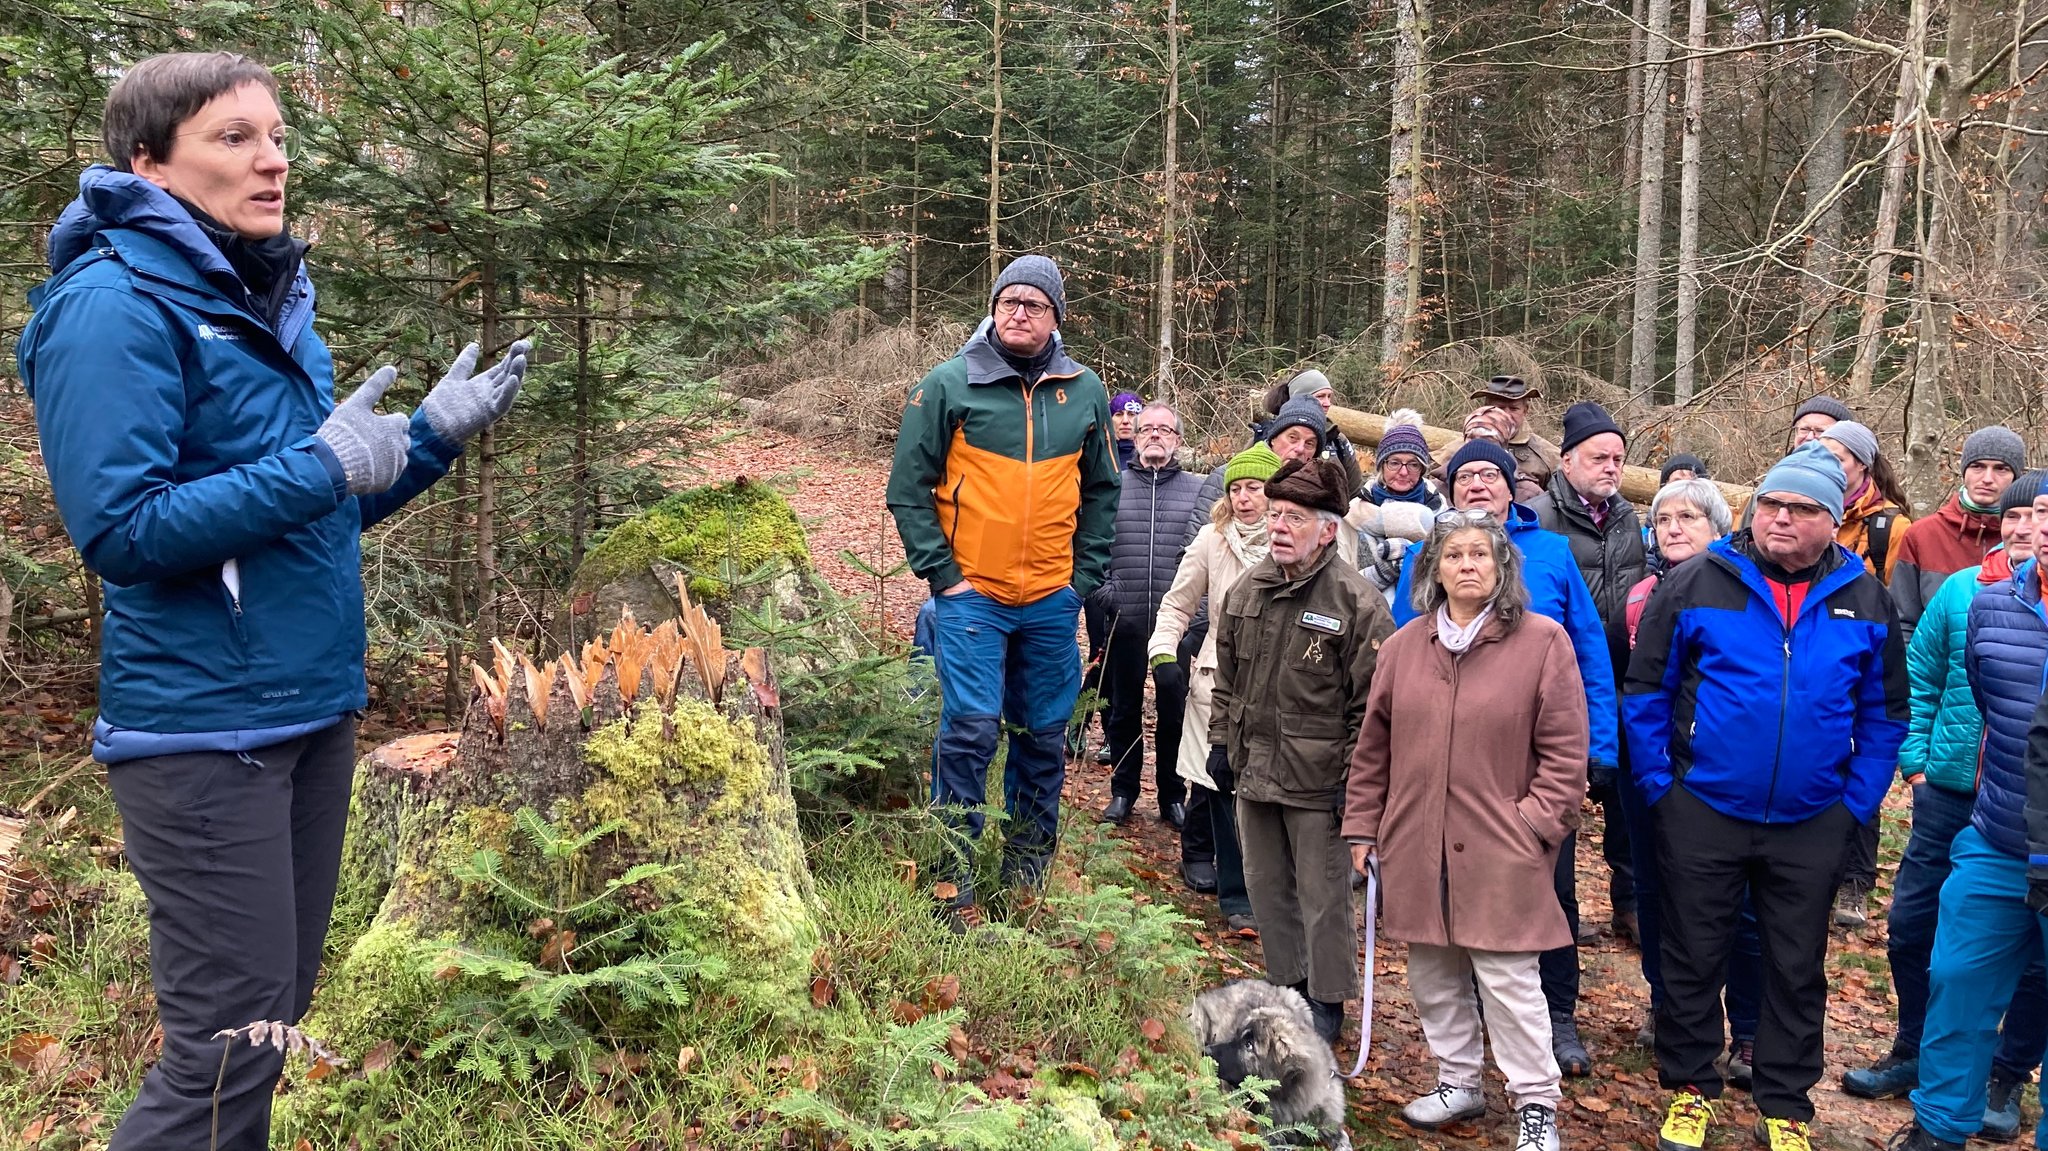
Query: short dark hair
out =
(158, 94)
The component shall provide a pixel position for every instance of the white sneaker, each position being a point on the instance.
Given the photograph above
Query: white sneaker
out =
(1446, 1104)
(1535, 1128)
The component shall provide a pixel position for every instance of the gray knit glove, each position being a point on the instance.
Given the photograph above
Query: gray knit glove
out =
(462, 404)
(370, 446)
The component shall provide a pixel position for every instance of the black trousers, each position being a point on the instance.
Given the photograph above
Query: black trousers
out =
(1559, 966)
(1705, 860)
(1614, 848)
(1096, 622)
(1125, 670)
(1860, 869)
(239, 856)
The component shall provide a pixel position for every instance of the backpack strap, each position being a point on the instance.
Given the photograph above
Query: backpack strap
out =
(1879, 537)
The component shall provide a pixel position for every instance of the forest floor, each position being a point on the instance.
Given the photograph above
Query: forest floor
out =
(838, 492)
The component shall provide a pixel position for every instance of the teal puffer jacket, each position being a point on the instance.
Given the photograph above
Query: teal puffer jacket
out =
(1946, 728)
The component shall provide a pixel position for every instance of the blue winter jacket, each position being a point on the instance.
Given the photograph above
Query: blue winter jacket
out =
(2005, 654)
(1767, 722)
(1556, 591)
(1946, 728)
(177, 427)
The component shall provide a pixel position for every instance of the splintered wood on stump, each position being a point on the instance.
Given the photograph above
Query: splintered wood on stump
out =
(662, 742)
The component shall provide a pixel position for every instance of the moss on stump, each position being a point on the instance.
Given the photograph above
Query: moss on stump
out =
(719, 538)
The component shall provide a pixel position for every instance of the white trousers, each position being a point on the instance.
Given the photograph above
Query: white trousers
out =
(1517, 1018)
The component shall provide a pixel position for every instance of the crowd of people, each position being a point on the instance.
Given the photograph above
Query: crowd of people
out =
(1423, 662)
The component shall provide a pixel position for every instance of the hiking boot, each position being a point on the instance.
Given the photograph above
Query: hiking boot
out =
(1646, 1037)
(1888, 1078)
(1174, 815)
(1627, 929)
(1119, 809)
(1102, 755)
(960, 918)
(2002, 1106)
(1564, 1043)
(1589, 932)
(1244, 922)
(1200, 875)
(1328, 1018)
(1852, 906)
(1535, 1128)
(1446, 1104)
(1913, 1137)
(1685, 1122)
(1784, 1134)
(1741, 1071)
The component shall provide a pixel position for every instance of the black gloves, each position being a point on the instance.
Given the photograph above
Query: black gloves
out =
(1601, 777)
(1168, 678)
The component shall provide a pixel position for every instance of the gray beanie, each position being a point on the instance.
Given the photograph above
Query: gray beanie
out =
(1861, 441)
(1035, 272)
(1303, 413)
(2022, 491)
(1996, 443)
(1306, 383)
(1824, 405)
(1811, 471)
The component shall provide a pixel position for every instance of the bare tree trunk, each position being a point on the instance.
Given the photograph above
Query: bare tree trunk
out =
(916, 210)
(1642, 361)
(1826, 161)
(1163, 388)
(1403, 236)
(1631, 154)
(579, 450)
(995, 155)
(1877, 271)
(1689, 202)
(1274, 135)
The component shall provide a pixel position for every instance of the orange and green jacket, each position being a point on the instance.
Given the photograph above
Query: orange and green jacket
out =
(1011, 486)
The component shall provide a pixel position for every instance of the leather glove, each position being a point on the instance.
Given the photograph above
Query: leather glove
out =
(1168, 679)
(1601, 776)
(371, 446)
(466, 402)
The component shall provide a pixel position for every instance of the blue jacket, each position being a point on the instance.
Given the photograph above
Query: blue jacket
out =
(2006, 652)
(177, 427)
(1766, 721)
(1556, 591)
(1946, 728)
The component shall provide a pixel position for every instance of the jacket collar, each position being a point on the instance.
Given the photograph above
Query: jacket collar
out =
(1566, 499)
(985, 365)
(1268, 574)
(1492, 632)
(1732, 552)
(1153, 476)
(1970, 526)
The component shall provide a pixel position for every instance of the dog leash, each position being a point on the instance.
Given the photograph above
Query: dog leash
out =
(1372, 919)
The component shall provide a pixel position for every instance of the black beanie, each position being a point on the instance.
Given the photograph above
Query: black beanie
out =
(1583, 421)
(2022, 491)
(1481, 451)
(1683, 460)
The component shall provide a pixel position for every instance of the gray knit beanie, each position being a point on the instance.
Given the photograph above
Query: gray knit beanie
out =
(1995, 443)
(1306, 383)
(1035, 272)
(1861, 441)
(1825, 405)
(1300, 413)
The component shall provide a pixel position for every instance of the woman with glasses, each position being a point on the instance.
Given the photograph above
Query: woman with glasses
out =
(186, 411)
(1464, 785)
(1396, 508)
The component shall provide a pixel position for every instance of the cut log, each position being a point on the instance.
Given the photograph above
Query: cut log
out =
(660, 748)
(1638, 484)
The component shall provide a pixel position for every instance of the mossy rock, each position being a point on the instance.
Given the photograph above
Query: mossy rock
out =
(723, 540)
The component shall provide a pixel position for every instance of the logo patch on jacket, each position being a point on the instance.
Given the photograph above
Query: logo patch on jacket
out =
(209, 332)
(1844, 613)
(1322, 623)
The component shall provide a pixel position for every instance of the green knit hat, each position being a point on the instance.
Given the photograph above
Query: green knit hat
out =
(1257, 462)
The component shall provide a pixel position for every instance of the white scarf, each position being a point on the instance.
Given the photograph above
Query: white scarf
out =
(1248, 543)
(1456, 638)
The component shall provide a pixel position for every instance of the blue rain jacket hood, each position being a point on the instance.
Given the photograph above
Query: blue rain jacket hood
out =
(178, 430)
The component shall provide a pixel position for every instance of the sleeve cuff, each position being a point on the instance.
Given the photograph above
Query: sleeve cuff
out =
(424, 436)
(336, 474)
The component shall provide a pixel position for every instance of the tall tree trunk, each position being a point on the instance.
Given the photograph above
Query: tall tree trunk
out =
(1826, 161)
(579, 449)
(1163, 386)
(1275, 134)
(1403, 235)
(1631, 156)
(1877, 270)
(995, 155)
(486, 469)
(1642, 360)
(1686, 351)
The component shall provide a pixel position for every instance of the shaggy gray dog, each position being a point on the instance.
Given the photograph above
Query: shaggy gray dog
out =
(1252, 1028)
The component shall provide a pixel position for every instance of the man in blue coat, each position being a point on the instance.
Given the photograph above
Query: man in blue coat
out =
(186, 411)
(1764, 707)
(1482, 477)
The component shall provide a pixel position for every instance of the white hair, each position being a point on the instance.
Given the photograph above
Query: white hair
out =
(1700, 493)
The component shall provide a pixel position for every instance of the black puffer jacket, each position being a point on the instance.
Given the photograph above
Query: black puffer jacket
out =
(1612, 558)
(1151, 513)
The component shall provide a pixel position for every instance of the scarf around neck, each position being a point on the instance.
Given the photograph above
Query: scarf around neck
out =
(1247, 542)
(1419, 494)
(1454, 638)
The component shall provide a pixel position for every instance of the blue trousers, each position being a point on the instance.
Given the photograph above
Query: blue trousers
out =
(1938, 816)
(1985, 939)
(1016, 666)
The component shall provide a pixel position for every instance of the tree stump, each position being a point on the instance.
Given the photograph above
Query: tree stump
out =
(660, 748)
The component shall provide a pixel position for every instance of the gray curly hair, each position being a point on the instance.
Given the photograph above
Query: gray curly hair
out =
(1510, 594)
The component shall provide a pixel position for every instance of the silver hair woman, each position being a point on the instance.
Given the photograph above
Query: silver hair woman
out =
(1705, 499)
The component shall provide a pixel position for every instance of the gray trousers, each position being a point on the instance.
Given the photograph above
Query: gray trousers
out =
(1297, 869)
(239, 856)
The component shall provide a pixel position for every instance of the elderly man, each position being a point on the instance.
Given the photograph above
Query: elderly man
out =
(1150, 517)
(1300, 432)
(1004, 489)
(1814, 417)
(1503, 418)
(1482, 475)
(1583, 504)
(1765, 705)
(1296, 638)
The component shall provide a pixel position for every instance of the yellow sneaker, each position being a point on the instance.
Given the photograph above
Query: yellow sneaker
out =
(1784, 1135)
(1685, 1122)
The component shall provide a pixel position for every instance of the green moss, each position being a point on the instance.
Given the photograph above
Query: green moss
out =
(376, 992)
(699, 794)
(719, 535)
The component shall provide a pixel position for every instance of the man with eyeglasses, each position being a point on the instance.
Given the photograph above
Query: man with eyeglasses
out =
(1296, 639)
(1154, 505)
(1483, 476)
(1004, 489)
(1765, 706)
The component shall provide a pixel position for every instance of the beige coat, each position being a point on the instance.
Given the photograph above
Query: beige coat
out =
(1208, 568)
(1467, 776)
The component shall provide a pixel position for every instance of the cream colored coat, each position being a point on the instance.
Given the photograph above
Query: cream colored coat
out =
(1207, 568)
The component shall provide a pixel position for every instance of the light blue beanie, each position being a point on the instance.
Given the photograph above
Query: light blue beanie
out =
(1811, 471)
